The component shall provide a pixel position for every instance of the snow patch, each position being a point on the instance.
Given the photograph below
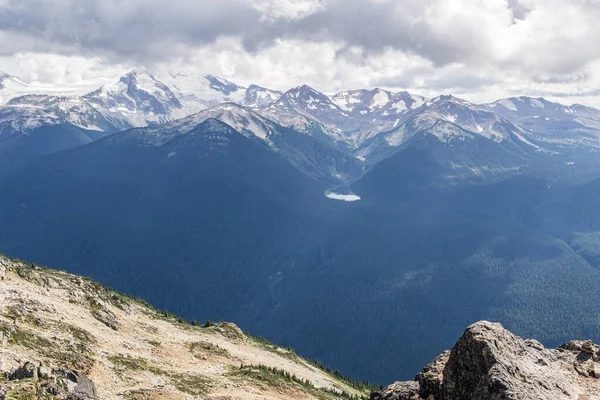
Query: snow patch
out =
(342, 197)
(418, 101)
(380, 99)
(507, 103)
(536, 103)
(399, 106)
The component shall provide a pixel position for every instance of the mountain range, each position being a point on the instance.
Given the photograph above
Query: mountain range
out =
(369, 125)
(364, 228)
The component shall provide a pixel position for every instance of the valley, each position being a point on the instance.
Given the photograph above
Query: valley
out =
(364, 229)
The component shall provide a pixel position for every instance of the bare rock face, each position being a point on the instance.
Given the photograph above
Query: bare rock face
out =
(399, 391)
(490, 363)
(81, 387)
(64, 384)
(431, 378)
(27, 370)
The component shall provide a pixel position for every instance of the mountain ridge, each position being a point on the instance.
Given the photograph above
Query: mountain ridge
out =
(65, 336)
(361, 123)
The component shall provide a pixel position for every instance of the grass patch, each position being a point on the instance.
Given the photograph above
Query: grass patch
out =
(281, 380)
(195, 385)
(267, 345)
(79, 334)
(363, 386)
(126, 363)
(198, 348)
(139, 394)
(69, 355)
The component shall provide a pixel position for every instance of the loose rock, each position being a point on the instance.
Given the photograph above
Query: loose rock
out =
(27, 370)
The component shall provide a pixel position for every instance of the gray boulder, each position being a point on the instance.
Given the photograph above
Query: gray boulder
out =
(44, 372)
(80, 386)
(27, 370)
(398, 391)
(107, 317)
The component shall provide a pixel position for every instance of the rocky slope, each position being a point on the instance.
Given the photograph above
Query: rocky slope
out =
(63, 336)
(489, 363)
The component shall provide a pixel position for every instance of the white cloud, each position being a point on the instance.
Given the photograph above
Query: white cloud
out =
(272, 10)
(480, 50)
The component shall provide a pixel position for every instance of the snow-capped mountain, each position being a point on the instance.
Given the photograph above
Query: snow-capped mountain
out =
(307, 102)
(465, 138)
(197, 93)
(373, 101)
(376, 110)
(468, 117)
(515, 108)
(258, 96)
(553, 123)
(12, 87)
(240, 118)
(32, 126)
(327, 135)
(315, 157)
(349, 118)
(138, 99)
(25, 113)
(135, 100)
(145, 99)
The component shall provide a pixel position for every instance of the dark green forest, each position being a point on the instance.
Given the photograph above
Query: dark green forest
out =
(215, 226)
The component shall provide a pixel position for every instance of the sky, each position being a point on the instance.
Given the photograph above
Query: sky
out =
(480, 50)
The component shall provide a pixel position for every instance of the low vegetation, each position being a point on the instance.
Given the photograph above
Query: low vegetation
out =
(282, 379)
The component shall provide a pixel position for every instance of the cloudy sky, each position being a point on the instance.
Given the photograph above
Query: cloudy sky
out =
(477, 49)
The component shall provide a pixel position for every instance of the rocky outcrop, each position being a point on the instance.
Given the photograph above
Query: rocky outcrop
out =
(490, 363)
(60, 383)
(27, 370)
(79, 385)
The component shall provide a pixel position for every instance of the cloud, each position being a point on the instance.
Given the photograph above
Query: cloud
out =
(518, 10)
(290, 10)
(471, 47)
(528, 33)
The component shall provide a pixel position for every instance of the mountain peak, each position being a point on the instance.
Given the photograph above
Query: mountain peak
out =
(240, 118)
(449, 98)
(129, 78)
(304, 90)
(258, 96)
